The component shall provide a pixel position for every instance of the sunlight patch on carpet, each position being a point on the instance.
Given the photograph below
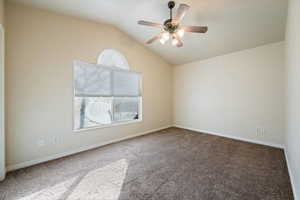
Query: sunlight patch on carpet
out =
(103, 183)
(100, 184)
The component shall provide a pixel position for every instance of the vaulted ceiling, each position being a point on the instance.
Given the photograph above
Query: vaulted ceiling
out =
(233, 25)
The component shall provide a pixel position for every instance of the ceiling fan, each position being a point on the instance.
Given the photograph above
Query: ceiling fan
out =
(172, 28)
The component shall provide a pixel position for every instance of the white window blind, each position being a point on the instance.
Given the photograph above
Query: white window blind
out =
(92, 80)
(126, 84)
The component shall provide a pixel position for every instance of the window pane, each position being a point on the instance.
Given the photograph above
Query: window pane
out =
(105, 95)
(126, 109)
(92, 111)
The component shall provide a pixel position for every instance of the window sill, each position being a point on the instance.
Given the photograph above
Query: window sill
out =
(108, 126)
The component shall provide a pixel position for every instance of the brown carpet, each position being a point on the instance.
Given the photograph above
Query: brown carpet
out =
(166, 165)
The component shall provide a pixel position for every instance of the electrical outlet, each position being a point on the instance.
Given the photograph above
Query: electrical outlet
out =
(260, 131)
(257, 131)
(55, 140)
(41, 143)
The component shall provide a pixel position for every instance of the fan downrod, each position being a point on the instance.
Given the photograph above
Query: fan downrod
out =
(168, 25)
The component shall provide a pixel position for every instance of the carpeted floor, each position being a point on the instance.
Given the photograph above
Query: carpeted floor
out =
(173, 164)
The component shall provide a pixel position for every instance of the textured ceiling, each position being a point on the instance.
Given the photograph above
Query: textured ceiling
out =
(233, 25)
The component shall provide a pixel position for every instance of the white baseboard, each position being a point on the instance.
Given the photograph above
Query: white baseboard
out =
(291, 175)
(231, 137)
(85, 148)
(2, 176)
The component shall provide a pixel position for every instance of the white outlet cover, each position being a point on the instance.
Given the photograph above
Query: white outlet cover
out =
(41, 143)
(55, 140)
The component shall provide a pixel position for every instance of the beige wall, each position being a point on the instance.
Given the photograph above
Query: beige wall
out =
(41, 47)
(233, 94)
(1, 11)
(293, 93)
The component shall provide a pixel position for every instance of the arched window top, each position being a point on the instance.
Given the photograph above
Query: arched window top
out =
(113, 58)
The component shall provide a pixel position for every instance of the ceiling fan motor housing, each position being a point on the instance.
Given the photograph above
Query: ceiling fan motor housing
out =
(169, 26)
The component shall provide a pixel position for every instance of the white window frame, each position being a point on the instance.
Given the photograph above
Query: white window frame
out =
(113, 124)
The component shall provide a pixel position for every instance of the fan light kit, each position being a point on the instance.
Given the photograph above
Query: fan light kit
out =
(172, 30)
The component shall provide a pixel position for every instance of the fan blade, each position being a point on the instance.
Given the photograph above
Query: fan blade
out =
(157, 37)
(146, 23)
(195, 29)
(181, 11)
(180, 43)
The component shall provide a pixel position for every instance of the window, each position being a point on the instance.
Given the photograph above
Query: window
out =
(105, 96)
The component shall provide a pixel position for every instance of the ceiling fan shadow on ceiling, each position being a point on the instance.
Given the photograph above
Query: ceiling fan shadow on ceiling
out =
(172, 29)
